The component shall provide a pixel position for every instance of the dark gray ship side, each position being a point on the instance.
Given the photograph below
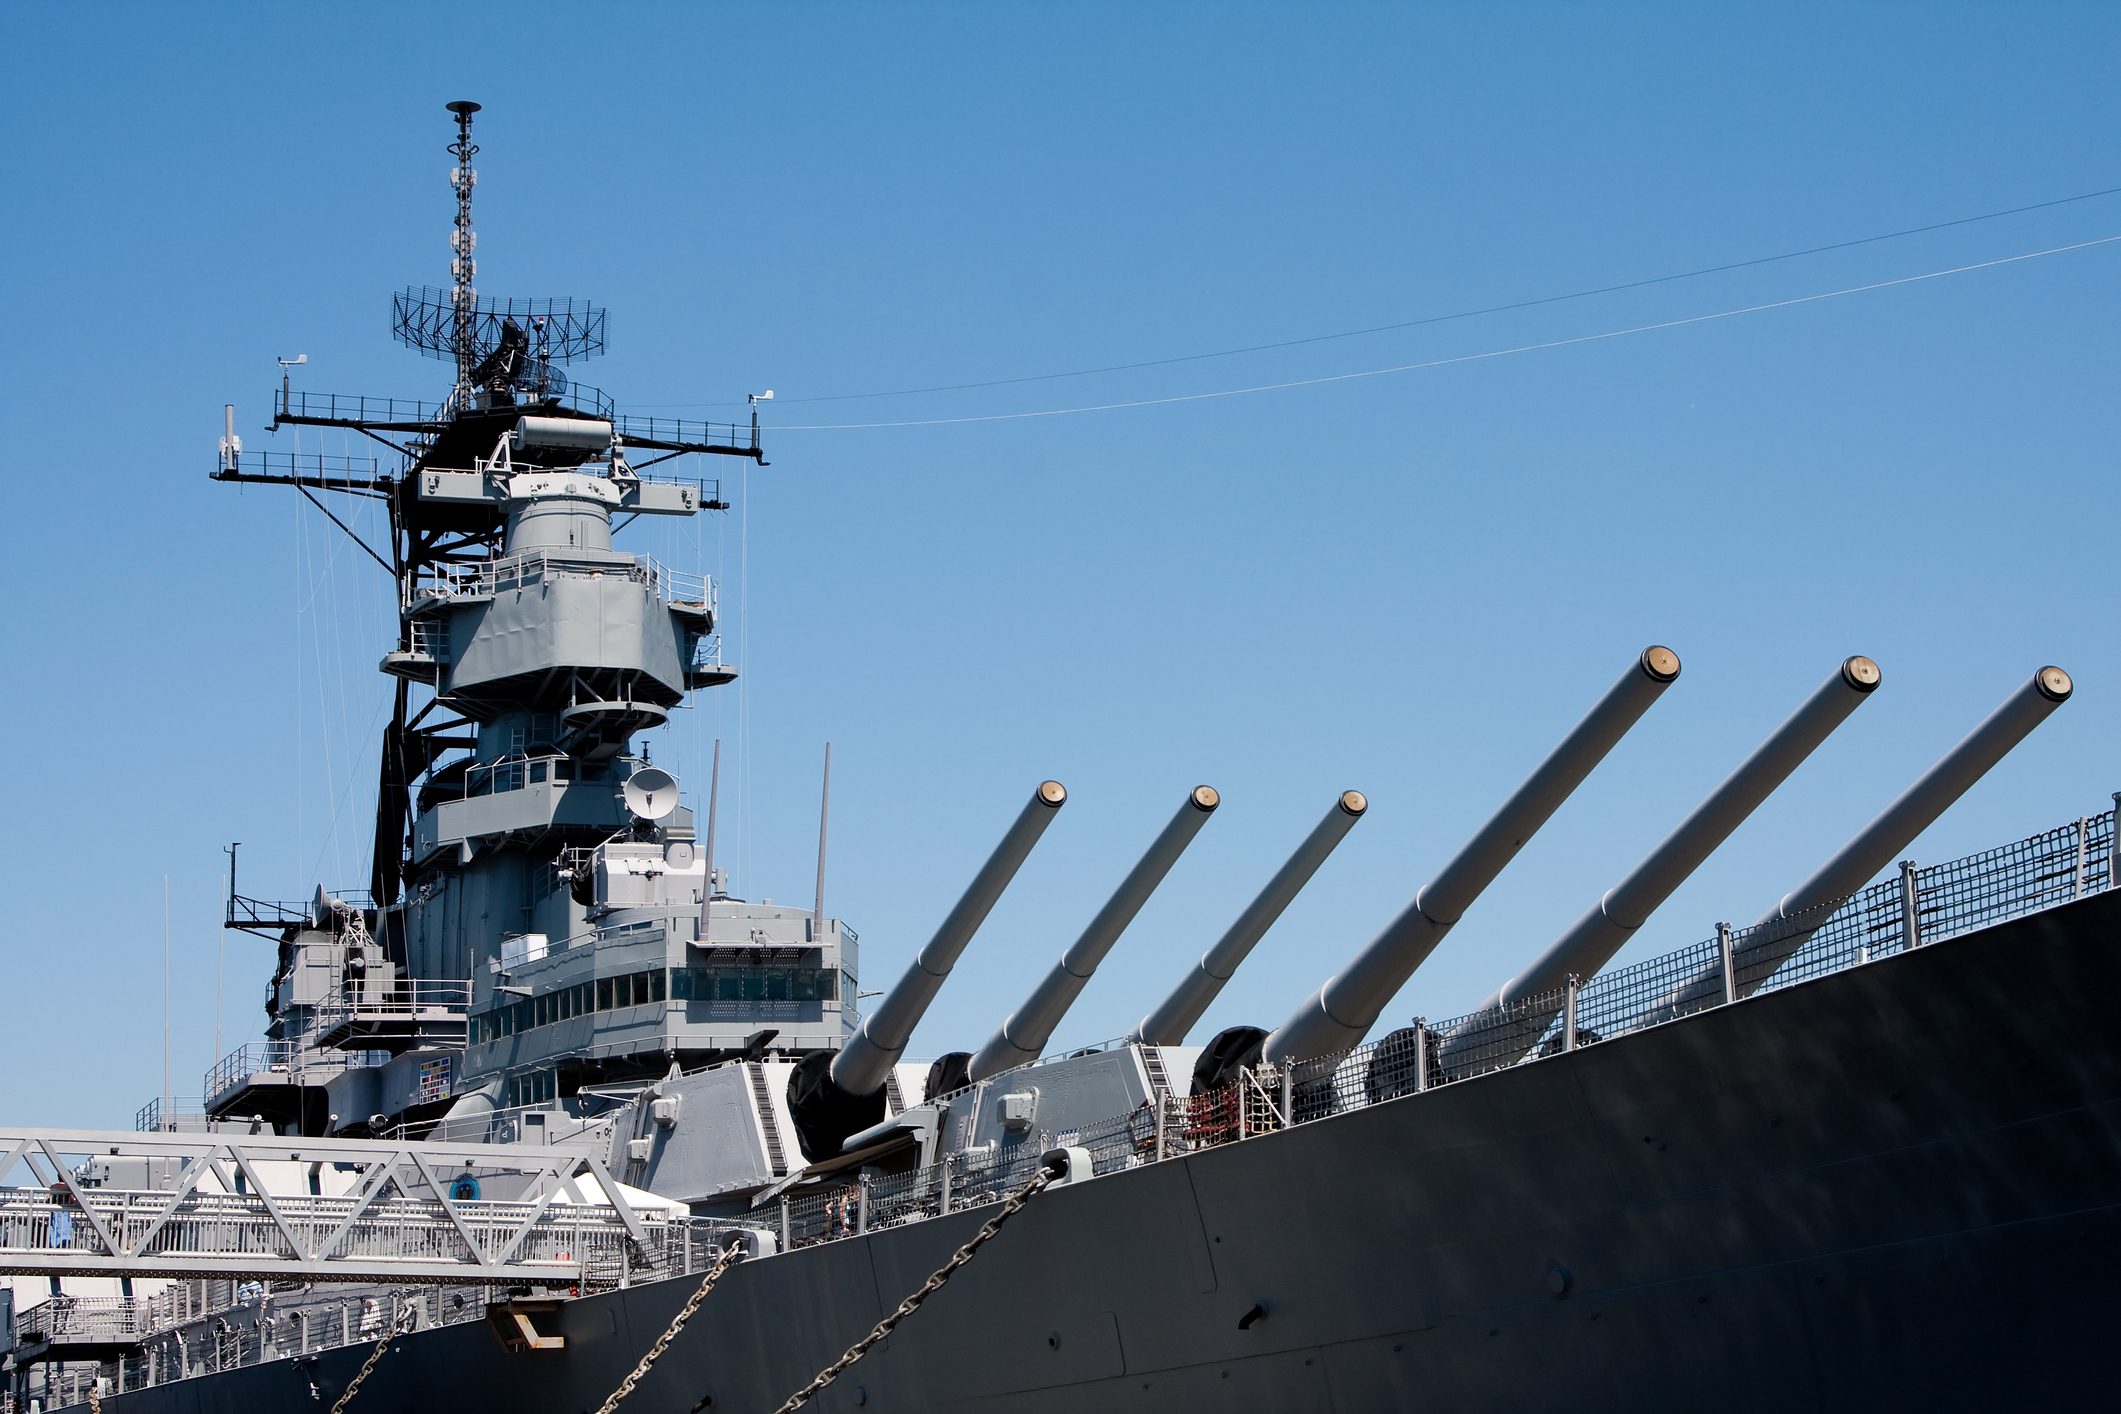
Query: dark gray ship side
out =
(1896, 1186)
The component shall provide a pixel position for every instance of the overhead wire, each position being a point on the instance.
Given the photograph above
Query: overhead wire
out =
(1446, 361)
(1425, 320)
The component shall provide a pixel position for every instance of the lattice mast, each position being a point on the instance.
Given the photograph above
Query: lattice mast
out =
(463, 297)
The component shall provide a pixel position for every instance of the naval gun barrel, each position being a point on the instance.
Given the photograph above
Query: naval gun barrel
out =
(1177, 1013)
(1336, 1018)
(865, 1062)
(1024, 1035)
(1600, 933)
(1783, 929)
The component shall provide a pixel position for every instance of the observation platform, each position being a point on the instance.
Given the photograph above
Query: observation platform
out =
(80, 1328)
(396, 1017)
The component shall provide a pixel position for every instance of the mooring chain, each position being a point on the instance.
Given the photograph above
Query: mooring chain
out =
(927, 1289)
(403, 1323)
(730, 1255)
(95, 1396)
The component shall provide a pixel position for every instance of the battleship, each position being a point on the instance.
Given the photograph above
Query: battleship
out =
(546, 1117)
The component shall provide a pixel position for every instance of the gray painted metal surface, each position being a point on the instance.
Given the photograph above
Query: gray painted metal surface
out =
(870, 1053)
(1344, 1009)
(1921, 803)
(1805, 908)
(1022, 1038)
(1633, 1223)
(1604, 930)
(1178, 1013)
(232, 1208)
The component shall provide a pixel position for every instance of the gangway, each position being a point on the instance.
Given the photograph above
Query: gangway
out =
(120, 1204)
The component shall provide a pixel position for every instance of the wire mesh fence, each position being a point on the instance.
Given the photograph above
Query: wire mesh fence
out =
(1920, 905)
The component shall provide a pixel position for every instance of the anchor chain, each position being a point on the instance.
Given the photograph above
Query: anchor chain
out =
(398, 1327)
(730, 1256)
(927, 1289)
(95, 1397)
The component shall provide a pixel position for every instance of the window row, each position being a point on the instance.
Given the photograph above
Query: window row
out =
(604, 994)
(695, 984)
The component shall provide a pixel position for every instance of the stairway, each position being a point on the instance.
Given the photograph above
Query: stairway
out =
(769, 1122)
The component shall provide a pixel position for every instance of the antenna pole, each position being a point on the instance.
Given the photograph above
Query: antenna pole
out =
(220, 968)
(824, 814)
(462, 267)
(714, 798)
(167, 1101)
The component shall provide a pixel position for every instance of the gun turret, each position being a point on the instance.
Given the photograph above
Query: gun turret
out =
(1804, 908)
(832, 1095)
(1343, 1010)
(1024, 1035)
(1589, 945)
(1177, 1014)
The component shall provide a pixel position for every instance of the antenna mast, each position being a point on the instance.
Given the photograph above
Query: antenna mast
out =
(463, 298)
(824, 815)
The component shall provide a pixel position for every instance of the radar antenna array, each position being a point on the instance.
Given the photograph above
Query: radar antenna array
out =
(556, 330)
(490, 341)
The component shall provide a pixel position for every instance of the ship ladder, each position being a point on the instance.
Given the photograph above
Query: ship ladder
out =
(1047, 1172)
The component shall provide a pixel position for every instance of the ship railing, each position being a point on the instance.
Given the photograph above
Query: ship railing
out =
(155, 1115)
(1926, 905)
(352, 408)
(487, 578)
(1918, 907)
(708, 652)
(244, 912)
(417, 997)
(684, 432)
(499, 1126)
(582, 398)
(564, 1243)
(199, 1328)
(332, 469)
(290, 1059)
(85, 1318)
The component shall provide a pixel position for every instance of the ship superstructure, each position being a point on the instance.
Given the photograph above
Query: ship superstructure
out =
(541, 914)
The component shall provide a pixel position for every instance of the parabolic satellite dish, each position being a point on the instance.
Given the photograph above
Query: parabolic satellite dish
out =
(651, 793)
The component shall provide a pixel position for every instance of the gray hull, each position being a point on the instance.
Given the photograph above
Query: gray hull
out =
(1898, 1186)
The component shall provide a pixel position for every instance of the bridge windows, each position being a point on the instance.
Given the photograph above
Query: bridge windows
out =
(567, 1003)
(754, 984)
(725, 985)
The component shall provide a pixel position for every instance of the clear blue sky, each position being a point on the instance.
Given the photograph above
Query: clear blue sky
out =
(1411, 584)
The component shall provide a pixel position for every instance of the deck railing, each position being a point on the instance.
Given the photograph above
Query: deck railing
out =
(1915, 908)
(1922, 905)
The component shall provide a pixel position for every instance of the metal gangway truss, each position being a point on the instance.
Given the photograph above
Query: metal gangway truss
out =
(119, 1204)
